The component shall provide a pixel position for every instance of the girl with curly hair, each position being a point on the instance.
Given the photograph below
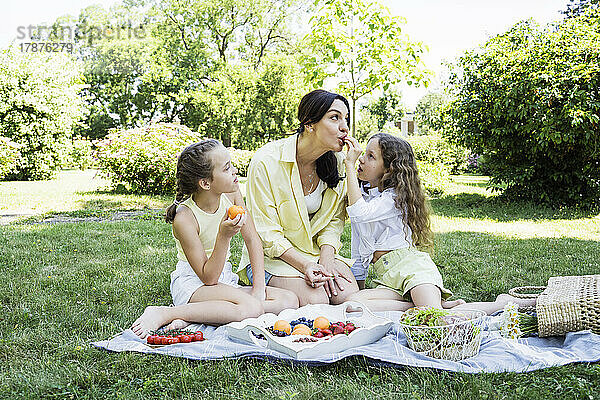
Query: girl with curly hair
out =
(390, 220)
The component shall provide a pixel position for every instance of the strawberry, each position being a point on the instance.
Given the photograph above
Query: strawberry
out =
(326, 332)
(337, 330)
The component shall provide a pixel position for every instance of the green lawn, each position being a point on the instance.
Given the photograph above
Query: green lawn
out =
(65, 285)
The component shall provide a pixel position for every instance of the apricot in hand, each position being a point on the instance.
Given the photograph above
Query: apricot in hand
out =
(234, 211)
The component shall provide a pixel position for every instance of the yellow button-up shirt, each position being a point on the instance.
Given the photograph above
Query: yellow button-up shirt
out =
(275, 200)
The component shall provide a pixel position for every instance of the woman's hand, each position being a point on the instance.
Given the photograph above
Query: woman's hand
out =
(354, 150)
(228, 228)
(314, 275)
(336, 276)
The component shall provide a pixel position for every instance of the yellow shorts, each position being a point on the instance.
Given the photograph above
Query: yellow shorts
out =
(403, 269)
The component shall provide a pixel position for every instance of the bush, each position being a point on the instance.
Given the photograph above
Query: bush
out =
(9, 154)
(529, 102)
(435, 177)
(81, 154)
(240, 160)
(435, 149)
(366, 126)
(39, 105)
(144, 159)
(429, 112)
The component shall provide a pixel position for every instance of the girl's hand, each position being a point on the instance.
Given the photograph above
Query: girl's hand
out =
(228, 228)
(354, 150)
(314, 275)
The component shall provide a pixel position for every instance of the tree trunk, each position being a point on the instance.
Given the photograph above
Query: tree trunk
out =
(353, 119)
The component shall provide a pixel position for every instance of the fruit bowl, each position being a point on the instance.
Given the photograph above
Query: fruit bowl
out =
(370, 328)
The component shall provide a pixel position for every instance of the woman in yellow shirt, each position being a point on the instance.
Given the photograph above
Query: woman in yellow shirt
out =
(296, 194)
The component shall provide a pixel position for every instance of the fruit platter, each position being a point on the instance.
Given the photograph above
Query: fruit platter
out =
(312, 330)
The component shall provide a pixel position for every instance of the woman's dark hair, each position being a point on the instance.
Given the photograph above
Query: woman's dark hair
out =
(311, 110)
(194, 163)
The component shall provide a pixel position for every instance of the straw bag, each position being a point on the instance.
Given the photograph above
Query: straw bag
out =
(567, 304)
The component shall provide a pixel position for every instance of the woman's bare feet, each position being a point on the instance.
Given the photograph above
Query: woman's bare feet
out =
(503, 299)
(153, 318)
(452, 303)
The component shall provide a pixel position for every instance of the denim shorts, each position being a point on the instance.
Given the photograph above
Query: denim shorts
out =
(268, 276)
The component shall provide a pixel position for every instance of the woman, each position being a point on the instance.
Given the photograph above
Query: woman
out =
(296, 195)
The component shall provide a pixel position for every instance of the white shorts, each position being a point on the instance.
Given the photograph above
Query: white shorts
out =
(184, 281)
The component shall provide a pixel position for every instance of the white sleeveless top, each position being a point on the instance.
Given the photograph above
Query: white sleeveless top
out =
(313, 200)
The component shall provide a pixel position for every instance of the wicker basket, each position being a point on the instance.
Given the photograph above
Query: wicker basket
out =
(568, 304)
(453, 342)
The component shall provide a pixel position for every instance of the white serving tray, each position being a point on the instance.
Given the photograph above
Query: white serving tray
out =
(370, 328)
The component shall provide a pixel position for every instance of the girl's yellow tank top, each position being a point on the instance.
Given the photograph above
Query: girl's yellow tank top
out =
(208, 225)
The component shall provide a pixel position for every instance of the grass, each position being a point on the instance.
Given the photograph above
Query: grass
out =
(66, 285)
(72, 190)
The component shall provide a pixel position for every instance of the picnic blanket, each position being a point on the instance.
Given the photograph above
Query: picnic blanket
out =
(497, 354)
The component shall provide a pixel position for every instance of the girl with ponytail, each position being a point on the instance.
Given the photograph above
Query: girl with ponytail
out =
(203, 286)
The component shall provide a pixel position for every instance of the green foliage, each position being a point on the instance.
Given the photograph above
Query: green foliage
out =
(81, 154)
(9, 154)
(366, 126)
(247, 108)
(436, 149)
(362, 45)
(435, 177)
(220, 67)
(122, 88)
(386, 108)
(240, 160)
(579, 7)
(39, 106)
(529, 101)
(144, 160)
(429, 112)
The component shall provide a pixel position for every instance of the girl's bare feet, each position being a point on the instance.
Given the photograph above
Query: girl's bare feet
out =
(177, 324)
(452, 303)
(153, 318)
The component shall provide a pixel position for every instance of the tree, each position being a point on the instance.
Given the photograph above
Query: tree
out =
(577, 8)
(246, 108)
(429, 112)
(235, 40)
(529, 101)
(193, 65)
(39, 107)
(386, 108)
(362, 46)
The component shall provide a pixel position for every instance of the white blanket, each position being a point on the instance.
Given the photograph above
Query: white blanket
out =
(496, 355)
